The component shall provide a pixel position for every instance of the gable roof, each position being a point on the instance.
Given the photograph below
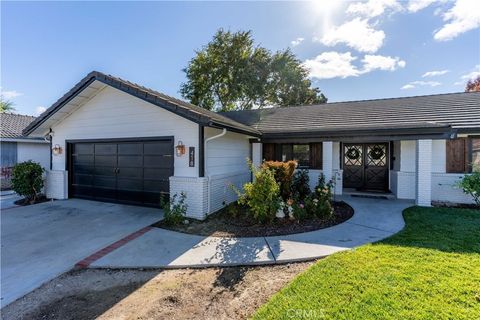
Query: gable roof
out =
(13, 124)
(454, 111)
(179, 107)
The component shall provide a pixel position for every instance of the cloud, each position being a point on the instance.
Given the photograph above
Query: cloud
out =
(333, 64)
(417, 5)
(377, 62)
(462, 17)
(415, 84)
(10, 94)
(39, 110)
(373, 8)
(473, 74)
(434, 73)
(297, 41)
(357, 34)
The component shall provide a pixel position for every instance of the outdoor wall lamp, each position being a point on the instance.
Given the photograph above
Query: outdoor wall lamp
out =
(180, 149)
(57, 149)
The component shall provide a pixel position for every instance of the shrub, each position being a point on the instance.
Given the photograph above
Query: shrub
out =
(323, 198)
(283, 172)
(301, 210)
(262, 196)
(27, 179)
(174, 211)
(300, 184)
(470, 184)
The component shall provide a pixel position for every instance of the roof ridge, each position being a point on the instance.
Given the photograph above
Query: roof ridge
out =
(17, 114)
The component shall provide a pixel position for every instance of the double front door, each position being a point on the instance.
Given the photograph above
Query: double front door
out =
(365, 166)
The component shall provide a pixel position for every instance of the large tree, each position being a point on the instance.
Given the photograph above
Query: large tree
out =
(6, 105)
(473, 85)
(231, 73)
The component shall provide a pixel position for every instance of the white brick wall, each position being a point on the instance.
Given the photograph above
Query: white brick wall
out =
(444, 188)
(221, 192)
(404, 183)
(423, 173)
(195, 190)
(56, 184)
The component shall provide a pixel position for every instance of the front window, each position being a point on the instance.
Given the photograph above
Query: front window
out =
(297, 152)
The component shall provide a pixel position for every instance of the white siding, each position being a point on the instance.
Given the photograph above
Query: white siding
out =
(115, 114)
(226, 166)
(37, 152)
(227, 154)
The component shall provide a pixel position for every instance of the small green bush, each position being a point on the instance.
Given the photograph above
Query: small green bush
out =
(283, 172)
(174, 211)
(470, 184)
(323, 198)
(262, 196)
(300, 184)
(27, 179)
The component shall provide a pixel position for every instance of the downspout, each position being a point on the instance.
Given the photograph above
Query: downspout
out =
(206, 165)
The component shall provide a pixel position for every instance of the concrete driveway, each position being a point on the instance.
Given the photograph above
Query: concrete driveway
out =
(40, 242)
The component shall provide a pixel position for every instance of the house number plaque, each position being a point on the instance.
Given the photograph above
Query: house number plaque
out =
(191, 156)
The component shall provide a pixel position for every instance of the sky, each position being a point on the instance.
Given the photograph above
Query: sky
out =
(354, 50)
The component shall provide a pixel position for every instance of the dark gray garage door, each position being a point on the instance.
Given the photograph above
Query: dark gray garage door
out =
(132, 172)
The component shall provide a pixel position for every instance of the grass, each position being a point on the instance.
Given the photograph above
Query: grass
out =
(430, 270)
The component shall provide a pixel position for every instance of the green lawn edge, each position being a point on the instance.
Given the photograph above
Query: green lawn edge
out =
(428, 270)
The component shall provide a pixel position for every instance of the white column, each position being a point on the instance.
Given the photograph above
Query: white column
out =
(257, 154)
(423, 173)
(327, 160)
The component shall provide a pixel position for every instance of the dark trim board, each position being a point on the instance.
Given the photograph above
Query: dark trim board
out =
(128, 139)
(201, 151)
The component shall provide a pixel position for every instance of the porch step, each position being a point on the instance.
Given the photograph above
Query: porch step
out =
(371, 195)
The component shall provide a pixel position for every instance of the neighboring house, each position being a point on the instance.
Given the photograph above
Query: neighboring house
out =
(17, 148)
(118, 141)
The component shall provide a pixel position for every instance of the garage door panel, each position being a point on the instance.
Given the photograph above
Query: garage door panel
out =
(130, 161)
(105, 182)
(129, 184)
(158, 148)
(136, 173)
(106, 161)
(83, 159)
(130, 148)
(84, 148)
(158, 173)
(83, 179)
(156, 185)
(106, 149)
(105, 171)
(129, 172)
(157, 161)
(84, 169)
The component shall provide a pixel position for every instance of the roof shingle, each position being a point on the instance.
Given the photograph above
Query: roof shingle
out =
(13, 124)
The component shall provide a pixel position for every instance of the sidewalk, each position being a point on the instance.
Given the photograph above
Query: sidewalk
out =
(373, 220)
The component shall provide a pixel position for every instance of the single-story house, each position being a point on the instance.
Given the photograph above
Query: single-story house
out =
(16, 147)
(113, 140)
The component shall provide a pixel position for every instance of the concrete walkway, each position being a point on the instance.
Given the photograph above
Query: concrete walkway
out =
(374, 219)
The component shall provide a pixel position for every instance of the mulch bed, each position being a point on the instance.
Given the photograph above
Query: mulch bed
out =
(224, 224)
(25, 202)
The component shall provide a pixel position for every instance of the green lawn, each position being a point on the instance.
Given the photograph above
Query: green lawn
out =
(430, 270)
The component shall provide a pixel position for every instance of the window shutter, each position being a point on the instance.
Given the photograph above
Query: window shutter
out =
(316, 155)
(457, 155)
(269, 151)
